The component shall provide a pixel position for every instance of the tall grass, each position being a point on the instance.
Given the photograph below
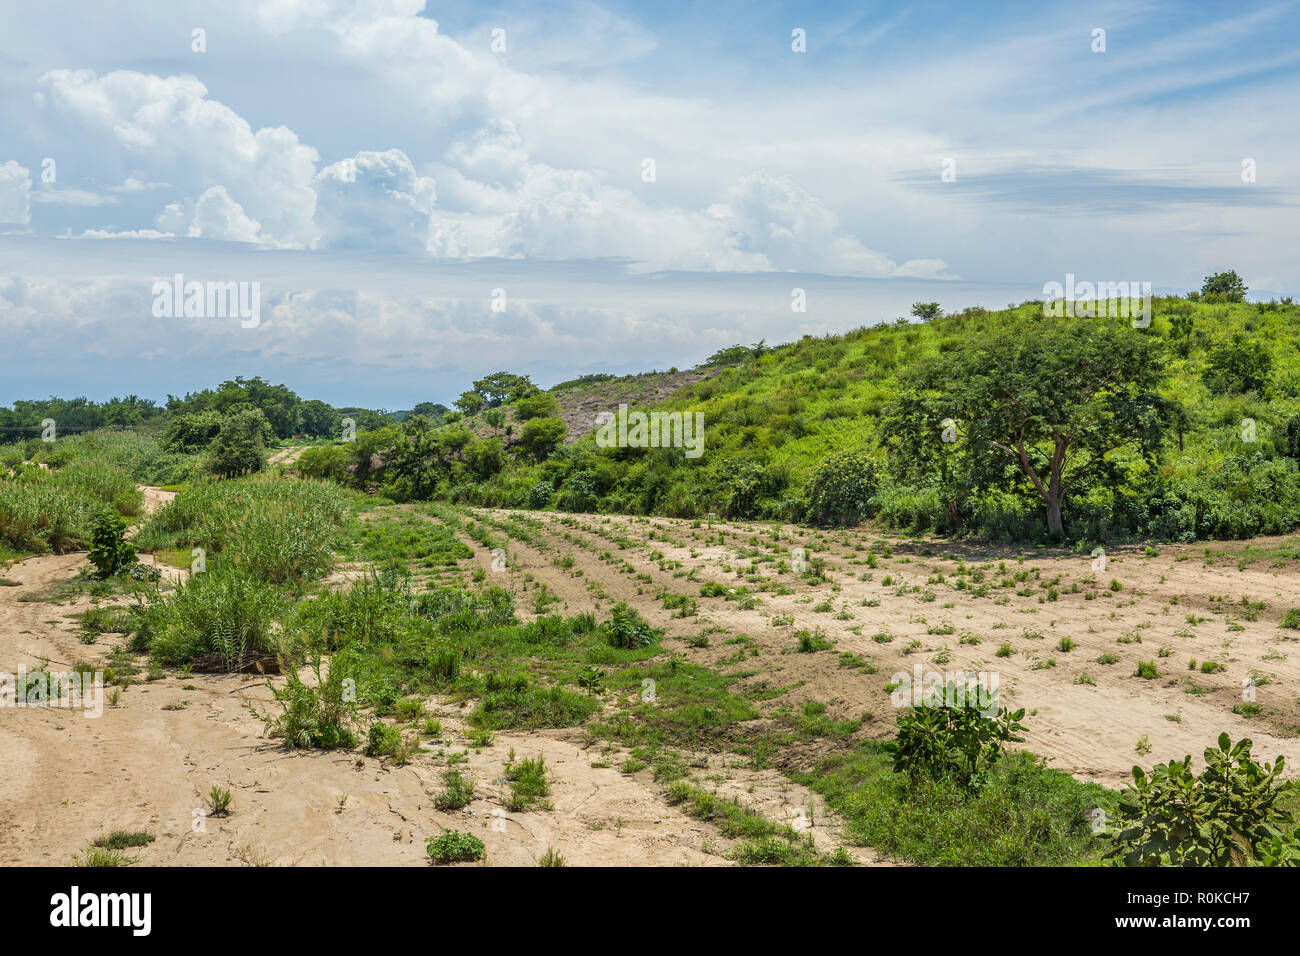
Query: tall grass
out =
(137, 453)
(225, 610)
(43, 510)
(282, 530)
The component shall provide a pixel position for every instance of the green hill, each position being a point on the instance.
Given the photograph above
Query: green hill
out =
(1208, 449)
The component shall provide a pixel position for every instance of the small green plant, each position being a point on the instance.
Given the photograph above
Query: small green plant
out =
(958, 742)
(627, 629)
(551, 858)
(452, 846)
(528, 784)
(218, 801)
(458, 792)
(110, 552)
(384, 740)
(123, 839)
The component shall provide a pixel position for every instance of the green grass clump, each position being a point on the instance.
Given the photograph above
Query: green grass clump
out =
(1023, 814)
(452, 846)
(124, 839)
(457, 793)
(226, 611)
(528, 784)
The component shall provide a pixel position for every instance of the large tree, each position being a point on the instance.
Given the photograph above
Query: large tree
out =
(1046, 398)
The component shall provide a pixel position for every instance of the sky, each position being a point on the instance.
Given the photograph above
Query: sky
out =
(424, 192)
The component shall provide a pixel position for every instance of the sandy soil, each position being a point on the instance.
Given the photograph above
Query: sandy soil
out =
(1089, 730)
(146, 762)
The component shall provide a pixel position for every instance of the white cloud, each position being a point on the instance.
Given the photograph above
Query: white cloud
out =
(15, 193)
(374, 202)
(167, 121)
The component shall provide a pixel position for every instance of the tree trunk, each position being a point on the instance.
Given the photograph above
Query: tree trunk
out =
(1054, 527)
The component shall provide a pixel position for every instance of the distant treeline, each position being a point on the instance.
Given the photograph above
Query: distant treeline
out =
(287, 414)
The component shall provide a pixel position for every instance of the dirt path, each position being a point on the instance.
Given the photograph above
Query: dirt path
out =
(287, 456)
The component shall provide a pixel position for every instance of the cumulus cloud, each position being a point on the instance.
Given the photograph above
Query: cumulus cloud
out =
(15, 194)
(214, 216)
(374, 202)
(777, 219)
(488, 195)
(170, 121)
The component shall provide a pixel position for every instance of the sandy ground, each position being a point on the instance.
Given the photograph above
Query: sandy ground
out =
(147, 762)
(1089, 730)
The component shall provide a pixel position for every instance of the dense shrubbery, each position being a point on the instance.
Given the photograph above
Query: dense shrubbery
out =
(842, 489)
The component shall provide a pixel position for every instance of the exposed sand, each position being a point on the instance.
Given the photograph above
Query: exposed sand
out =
(146, 763)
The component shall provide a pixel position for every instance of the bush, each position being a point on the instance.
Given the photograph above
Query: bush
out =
(110, 552)
(325, 462)
(385, 740)
(627, 629)
(953, 742)
(240, 445)
(452, 846)
(1226, 816)
(320, 716)
(540, 494)
(842, 489)
(540, 405)
(191, 432)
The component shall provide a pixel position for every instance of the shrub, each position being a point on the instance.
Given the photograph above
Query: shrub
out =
(385, 740)
(539, 405)
(325, 462)
(539, 495)
(192, 432)
(841, 490)
(954, 742)
(627, 629)
(321, 715)
(240, 445)
(1226, 816)
(452, 846)
(110, 552)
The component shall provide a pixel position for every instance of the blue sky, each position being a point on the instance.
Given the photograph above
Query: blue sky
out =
(381, 169)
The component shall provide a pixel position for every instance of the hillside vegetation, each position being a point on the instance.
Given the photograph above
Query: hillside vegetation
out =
(966, 423)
